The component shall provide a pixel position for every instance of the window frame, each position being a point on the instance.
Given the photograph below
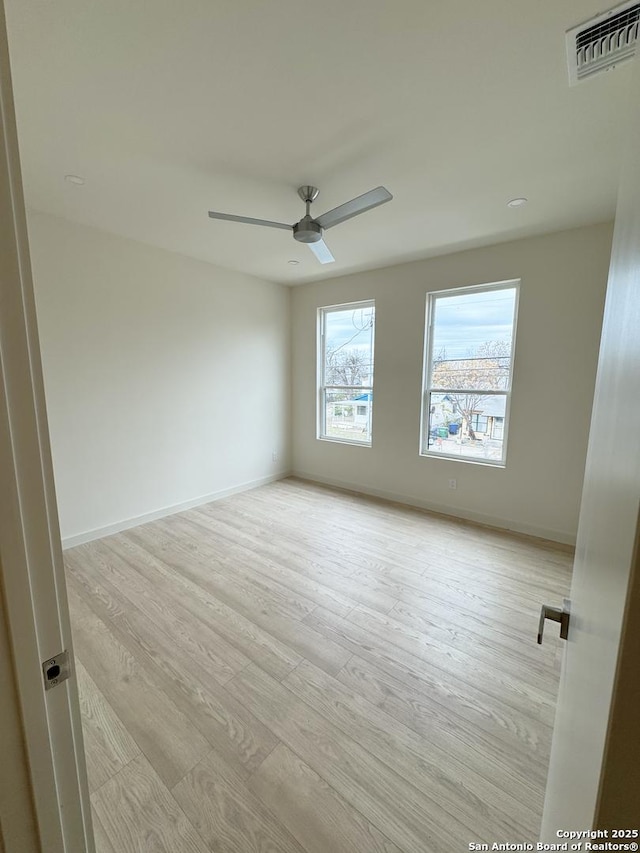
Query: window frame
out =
(322, 388)
(427, 389)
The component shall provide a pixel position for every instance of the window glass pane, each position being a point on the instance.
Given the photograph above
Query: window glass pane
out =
(466, 324)
(480, 372)
(348, 357)
(466, 425)
(347, 414)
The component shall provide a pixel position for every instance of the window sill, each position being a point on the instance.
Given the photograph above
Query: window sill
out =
(333, 440)
(450, 457)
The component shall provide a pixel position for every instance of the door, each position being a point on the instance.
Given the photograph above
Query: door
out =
(31, 570)
(607, 535)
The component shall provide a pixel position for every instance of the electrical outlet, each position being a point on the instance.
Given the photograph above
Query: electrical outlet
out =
(453, 484)
(274, 456)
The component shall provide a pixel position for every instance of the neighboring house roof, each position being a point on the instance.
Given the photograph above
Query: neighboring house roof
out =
(361, 398)
(491, 406)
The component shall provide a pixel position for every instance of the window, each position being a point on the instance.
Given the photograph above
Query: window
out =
(345, 369)
(479, 423)
(497, 428)
(467, 374)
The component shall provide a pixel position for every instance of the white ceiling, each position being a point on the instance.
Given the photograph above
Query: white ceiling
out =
(169, 108)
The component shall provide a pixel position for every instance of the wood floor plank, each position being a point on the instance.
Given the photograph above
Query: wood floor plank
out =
(426, 551)
(221, 574)
(307, 642)
(333, 571)
(379, 545)
(483, 620)
(419, 534)
(108, 744)
(103, 844)
(501, 674)
(508, 608)
(313, 812)
(234, 559)
(139, 814)
(485, 757)
(466, 631)
(168, 738)
(259, 646)
(445, 577)
(497, 571)
(477, 802)
(341, 551)
(309, 670)
(511, 723)
(275, 570)
(417, 660)
(396, 808)
(111, 582)
(226, 724)
(227, 814)
(278, 544)
(287, 630)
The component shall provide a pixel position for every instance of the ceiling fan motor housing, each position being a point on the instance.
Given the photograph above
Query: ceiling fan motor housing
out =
(307, 230)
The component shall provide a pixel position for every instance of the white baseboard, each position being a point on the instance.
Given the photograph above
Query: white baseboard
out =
(127, 523)
(558, 536)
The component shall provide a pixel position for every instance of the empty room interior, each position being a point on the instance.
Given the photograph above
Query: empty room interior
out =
(314, 487)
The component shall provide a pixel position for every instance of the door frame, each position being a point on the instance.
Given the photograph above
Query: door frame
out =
(31, 568)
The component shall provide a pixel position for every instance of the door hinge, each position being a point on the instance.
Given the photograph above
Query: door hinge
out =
(56, 670)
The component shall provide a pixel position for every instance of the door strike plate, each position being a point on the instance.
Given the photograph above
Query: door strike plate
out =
(56, 670)
(556, 615)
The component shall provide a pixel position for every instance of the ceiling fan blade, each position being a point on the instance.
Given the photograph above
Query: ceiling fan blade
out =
(322, 252)
(249, 220)
(356, 206)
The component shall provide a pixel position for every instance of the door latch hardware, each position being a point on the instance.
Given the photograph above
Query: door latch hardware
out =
(56, 670)
(556, 615)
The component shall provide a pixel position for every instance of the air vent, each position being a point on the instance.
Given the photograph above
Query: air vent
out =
(603, 42)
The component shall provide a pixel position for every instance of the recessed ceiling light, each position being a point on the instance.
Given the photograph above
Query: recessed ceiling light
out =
(517, 202)
(74, 179)
(293, 263)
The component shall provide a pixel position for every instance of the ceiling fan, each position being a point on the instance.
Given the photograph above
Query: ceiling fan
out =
(310, 230)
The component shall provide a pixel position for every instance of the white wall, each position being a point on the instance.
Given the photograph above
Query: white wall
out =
(563, 278)
(167, 379)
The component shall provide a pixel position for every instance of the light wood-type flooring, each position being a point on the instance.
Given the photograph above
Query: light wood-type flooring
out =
(299, 669)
